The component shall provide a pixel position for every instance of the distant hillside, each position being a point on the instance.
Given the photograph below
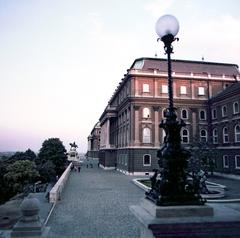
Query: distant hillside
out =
(7, 153)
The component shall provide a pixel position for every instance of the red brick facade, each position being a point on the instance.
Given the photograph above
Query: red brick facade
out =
(130, 132)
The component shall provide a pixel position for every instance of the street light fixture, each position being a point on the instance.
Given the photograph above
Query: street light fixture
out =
(174, 186)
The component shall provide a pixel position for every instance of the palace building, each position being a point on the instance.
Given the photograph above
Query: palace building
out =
(207, 98)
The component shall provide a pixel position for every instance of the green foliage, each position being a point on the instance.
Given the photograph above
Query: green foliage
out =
(47, 171)
(21, 173)
(5, 194)
(27, 155)
(204, 156)
(53, 150)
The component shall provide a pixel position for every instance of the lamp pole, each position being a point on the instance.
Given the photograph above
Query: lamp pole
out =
(174, 187)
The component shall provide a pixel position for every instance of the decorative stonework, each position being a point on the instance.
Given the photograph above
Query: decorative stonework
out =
(29, 224)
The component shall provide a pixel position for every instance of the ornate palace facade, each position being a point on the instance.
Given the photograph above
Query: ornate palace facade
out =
(130, 134)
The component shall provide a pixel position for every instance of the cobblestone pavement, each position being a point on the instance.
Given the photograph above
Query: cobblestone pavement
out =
(95, 203)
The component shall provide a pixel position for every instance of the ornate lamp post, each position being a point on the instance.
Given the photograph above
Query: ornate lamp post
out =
(174, 186)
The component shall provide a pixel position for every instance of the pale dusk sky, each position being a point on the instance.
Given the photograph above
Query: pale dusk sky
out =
(61, 60)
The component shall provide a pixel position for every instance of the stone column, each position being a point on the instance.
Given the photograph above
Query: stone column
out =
(194, 124)
(174, 90)
(156, 88)
(192, 90)
(136, 87)
(108, 133)
(156, 127)
(136, 126)
(89, 143)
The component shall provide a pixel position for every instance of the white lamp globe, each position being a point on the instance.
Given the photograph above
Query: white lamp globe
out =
(167, 24)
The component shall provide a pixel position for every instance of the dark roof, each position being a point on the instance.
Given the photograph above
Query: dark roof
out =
(228, 92)
(186, 66)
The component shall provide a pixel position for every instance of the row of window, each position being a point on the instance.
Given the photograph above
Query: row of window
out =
(183, 89)
(122, 159)
(203, 135)
(184, 113)
(225, 134)
(224, 110)
(147, 160)
(226, 161)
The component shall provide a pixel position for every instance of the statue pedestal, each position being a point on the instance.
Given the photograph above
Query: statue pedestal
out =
(215, 221)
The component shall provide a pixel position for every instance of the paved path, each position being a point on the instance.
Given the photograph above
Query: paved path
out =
(232, 186)
(95, 203)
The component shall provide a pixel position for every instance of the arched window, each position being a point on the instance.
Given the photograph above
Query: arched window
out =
(225, 161)
(215, 136)
(146, 135)
(235, 108)
(203, 135)
(163, 135)
(184, 114)
(237, 133)
(225, 135)
(214, 113)
(185, 136)
(147, 160)
(163, 112)
(224, 111)
(146, 112)
(237, 161)
(202, 115)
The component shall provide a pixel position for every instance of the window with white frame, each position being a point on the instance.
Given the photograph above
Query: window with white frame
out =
(184, 114)
(146, 135)
(125, 160)
(203, 135)
(146, 112)
(164, 112)
(185, 136)
(202, 115)
(146, 88)
(163, 135)
(225, 161)
(225, 85)
(237, 161)
(214, 113)
(225, 135)
(164, 89)
(224, 111)
(235, 108)
(201, 91)
(215, 136)
(237, 133)
(183, 90)
(147, 160)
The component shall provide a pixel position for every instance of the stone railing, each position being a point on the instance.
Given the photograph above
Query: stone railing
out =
(55, 193)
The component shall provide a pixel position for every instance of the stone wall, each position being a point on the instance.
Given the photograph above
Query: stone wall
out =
(55, 193)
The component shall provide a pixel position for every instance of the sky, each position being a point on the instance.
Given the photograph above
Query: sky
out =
(61, 60)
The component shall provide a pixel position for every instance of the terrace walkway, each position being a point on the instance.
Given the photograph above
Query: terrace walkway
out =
(95, 203)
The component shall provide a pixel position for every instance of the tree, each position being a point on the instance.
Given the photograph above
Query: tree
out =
(30, 155)
(47, 171)
(204, 156)
(52, 149)
(21, 173)
(27, 155)
(5, 192)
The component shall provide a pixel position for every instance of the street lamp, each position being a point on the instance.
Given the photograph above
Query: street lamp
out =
(174, 186)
